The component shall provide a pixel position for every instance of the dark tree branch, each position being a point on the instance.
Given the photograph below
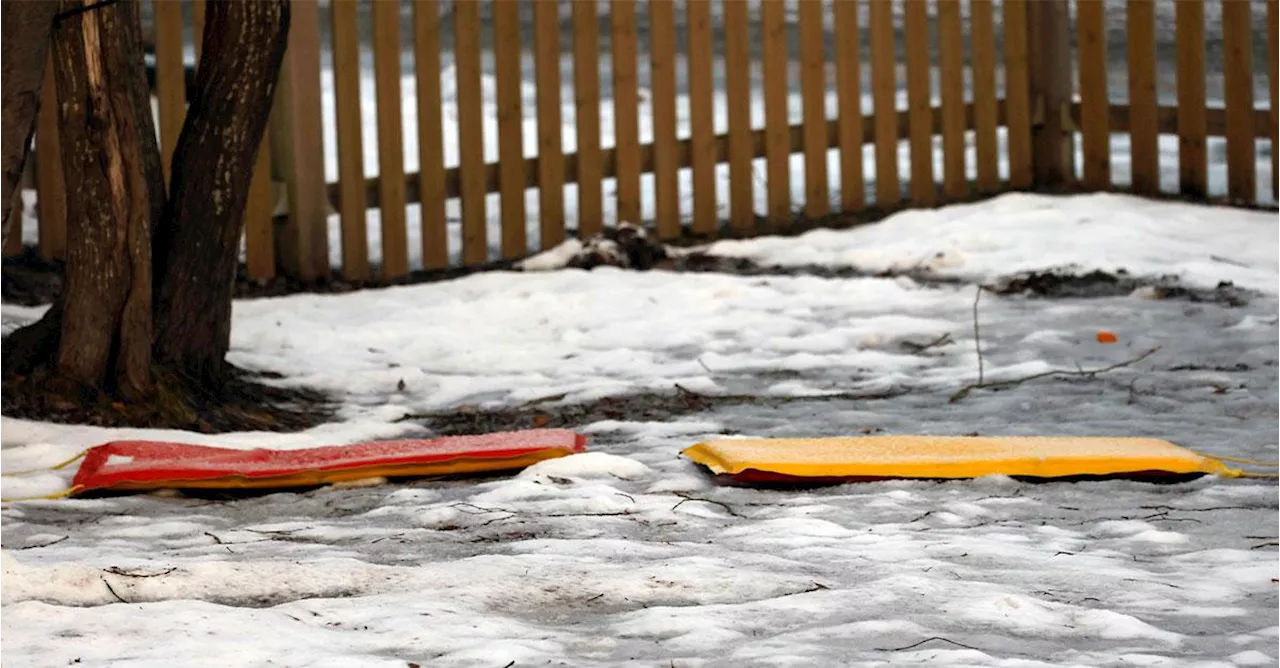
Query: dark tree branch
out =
(197, 245)
(27, 27)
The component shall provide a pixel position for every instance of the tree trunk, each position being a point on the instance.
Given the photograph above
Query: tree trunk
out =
(197, 245)
(27, 29)
(106, 333)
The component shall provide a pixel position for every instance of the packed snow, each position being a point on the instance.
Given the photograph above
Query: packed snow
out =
(629, 554)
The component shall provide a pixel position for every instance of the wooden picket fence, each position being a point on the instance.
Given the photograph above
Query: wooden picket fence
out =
(1041, 113)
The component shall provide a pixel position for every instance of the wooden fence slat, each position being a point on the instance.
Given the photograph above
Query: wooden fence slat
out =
(773, 54)
(1273, 48)
(626, 129)
(171, 92)
(51, 189)
(982, 46)
(701, 121)
(511, 174)
(346, 88)
(1095, 133)
(849, 94)
(1237, 66)
(884, 92)
(813, 88)
(297, 148)
(386, 66)
(1017, 93)
(1193, 175)
(426, 47)
(662, 55)
(466, 31)
(955, 182)
(737, 56)
(1051, 93)
(546, 47)
(259, 228)
(586, 90)
(1144, 149)
(919, 103)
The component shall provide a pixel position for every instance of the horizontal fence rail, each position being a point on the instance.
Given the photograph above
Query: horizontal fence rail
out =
(757, 114)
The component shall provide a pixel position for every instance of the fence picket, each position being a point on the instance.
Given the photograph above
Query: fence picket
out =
(546, 45)
(586, 89)
(511, 174)
(426, 47)
(1017, 93)
(51, 189)
(813, 87)
(1237, 66)
(171, 93)
(884, 92)
(626, 129)
(1192, 157)
(920, 102)
(662, 58)
(773, 54)
(982, 46)
(1144, 149)
(1095, 130)
(737, 56)
(849, 94)
(471, 168)
(346, 87)
(701, 124)
(955, 182)
(259, 228)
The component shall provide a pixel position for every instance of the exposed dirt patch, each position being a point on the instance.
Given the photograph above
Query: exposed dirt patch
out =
(645, 407)
(1054, 284)
(242, 404)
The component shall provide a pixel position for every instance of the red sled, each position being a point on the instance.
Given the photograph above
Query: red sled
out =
(150, 465)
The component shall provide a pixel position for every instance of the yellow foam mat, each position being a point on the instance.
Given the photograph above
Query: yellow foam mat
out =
(905, 456)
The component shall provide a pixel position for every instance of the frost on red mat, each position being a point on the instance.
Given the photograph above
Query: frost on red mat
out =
(144, 465)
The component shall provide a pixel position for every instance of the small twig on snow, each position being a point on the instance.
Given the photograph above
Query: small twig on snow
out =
(685, 496)
(113, 591)
(918, 348)
(1013, 382)
(915, 645)
(977, 335)
(115, 570)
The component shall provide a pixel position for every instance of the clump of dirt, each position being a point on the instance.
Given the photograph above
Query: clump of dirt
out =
(243, 403)
(1097, 283)
(643, 407)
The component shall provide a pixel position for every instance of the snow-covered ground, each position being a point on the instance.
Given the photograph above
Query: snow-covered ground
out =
(629, 555)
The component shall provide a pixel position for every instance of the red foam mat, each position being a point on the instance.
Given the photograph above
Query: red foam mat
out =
(142, 465)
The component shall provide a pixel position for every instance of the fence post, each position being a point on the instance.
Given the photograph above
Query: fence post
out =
(1049, 56)
(297, 142)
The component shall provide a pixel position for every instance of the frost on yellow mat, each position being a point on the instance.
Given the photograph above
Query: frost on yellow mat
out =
(905, 456)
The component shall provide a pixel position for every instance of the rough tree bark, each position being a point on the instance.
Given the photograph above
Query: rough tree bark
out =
(197, 245)
(27, 30)
(140, 263)
(106, 326)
